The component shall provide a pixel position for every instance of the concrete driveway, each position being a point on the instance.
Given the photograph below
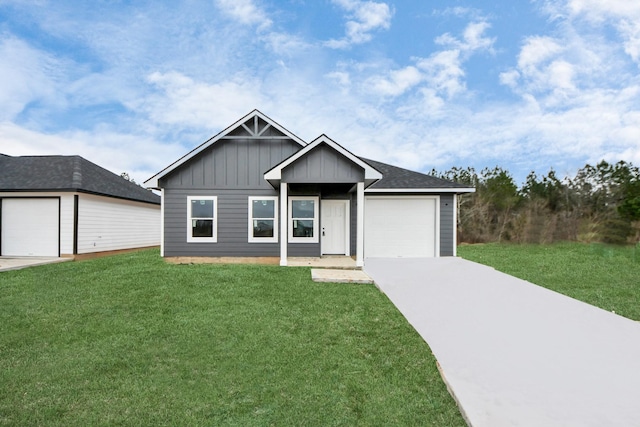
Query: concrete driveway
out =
(513, 353)
(17, 263)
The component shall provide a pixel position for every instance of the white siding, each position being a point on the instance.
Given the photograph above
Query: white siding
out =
(66, 224)
(107, 224)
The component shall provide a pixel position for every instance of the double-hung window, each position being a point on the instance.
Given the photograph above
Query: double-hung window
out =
(303, 219)
(202, 213)
(263, 219)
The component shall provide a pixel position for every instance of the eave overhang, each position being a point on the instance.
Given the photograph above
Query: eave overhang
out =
(459, 190)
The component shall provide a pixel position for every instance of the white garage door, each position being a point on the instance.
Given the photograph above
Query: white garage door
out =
(30, 227)
(401, 227)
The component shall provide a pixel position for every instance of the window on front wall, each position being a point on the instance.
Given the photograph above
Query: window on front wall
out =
(263, 219)
(303, 219)
(202, 225)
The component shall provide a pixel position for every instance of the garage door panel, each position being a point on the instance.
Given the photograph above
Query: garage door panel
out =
(401, 227)
(30, 227)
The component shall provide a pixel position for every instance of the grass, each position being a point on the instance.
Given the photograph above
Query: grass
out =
(605, 276)
(131, 340)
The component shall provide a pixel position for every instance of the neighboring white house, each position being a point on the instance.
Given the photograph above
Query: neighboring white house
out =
(66, 206)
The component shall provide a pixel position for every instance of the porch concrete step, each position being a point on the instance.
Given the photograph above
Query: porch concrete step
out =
(340, 276)
(336, 262)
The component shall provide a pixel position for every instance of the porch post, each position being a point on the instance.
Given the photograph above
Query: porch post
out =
(162, 203)
(284, 206)
(360, 226)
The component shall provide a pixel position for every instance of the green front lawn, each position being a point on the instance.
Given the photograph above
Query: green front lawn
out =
(131, 340)
(605, 276)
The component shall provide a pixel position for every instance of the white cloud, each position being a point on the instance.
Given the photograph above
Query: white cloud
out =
(341, 77)
(473, 38)
(623, 15)
(26, 75)
(397, 82)
(537, 50)
(510, 78)
(136, 154)
(442, 71)
(185, 102)
(285, 44)
(630, 30)
(245, 11)
(363, 17)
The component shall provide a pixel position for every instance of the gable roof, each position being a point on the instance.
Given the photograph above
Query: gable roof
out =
(67, 173)
(253, 125)
(396, 179)
(370, 173)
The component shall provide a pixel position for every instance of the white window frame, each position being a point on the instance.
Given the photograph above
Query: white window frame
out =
(275, 219)
(214, 237)
(316, 220)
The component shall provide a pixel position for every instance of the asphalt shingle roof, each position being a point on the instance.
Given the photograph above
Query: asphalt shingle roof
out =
(67, 173)
(394, 177)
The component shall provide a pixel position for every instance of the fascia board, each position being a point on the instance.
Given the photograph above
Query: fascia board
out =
(420, 190)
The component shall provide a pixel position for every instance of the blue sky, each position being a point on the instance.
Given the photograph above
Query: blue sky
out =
(134, 85)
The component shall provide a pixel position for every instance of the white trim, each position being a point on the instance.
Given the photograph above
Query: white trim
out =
(455, 225)
(315, 219)
(153, 182)
(360, 225)
(347, 231)
(283, 224)
(162, 201)
(252, 238)
(421, 190)
(214, 237)
(370, 173)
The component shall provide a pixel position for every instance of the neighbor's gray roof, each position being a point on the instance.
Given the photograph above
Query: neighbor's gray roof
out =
(67, 173)
(394, 178)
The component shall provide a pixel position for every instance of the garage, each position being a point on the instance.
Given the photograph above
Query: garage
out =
(30, 227)
(401, 227)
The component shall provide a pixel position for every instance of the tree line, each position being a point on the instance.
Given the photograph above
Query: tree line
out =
(600, 203)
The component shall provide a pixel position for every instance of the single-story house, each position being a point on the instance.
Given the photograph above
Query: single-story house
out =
(67, 206)
(257, 190)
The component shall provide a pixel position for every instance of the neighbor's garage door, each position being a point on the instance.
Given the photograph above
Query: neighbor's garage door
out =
(401, 227)
(30, 227)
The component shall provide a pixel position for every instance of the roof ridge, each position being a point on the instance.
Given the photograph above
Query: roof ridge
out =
(76, 177)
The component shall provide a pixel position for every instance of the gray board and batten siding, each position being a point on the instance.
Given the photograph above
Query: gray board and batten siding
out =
(323, 165)
(232, 170)
(447, 225)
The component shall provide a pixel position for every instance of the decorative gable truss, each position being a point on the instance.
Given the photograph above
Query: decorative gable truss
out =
(254, 125)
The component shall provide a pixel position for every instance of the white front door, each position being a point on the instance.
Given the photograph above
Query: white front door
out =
(334, 227)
